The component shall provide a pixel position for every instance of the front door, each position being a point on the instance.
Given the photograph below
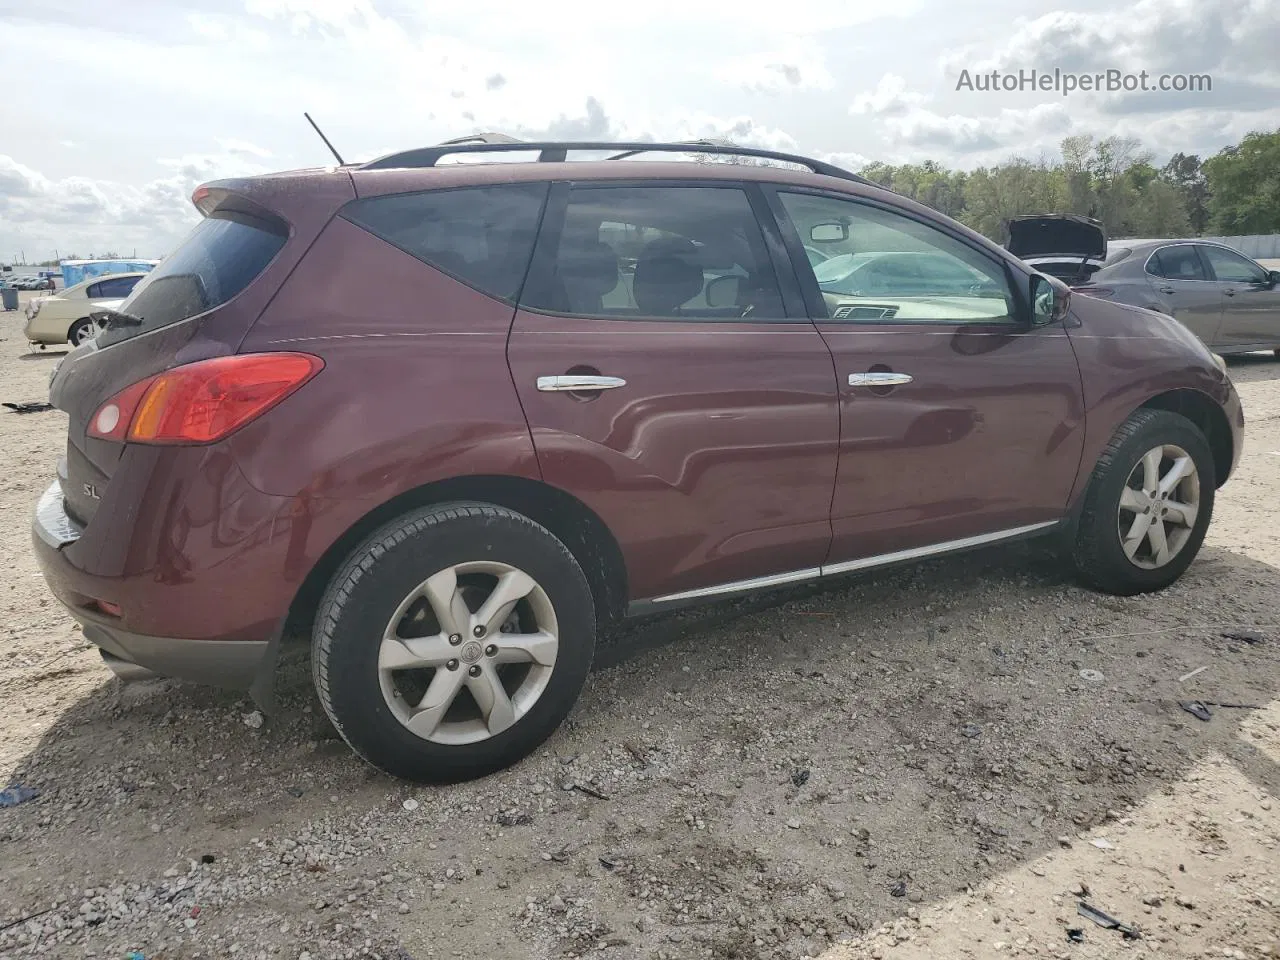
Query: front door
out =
(1251, 304)
(958, 421)
(1181, 278)
(668, 386)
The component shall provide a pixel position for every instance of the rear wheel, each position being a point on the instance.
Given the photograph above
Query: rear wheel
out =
(453, 642)
(82, 330)
(1148, 505)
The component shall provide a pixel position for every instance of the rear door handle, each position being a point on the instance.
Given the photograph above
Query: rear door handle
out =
(1167, 290)
(879, 378)
(1229, 293)
(578, 384)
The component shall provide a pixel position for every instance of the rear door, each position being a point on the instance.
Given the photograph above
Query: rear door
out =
(958, 421)
(1251, 302)
(673, 383)
(1179, 275)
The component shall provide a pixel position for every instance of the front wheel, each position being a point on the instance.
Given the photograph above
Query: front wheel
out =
(1147, 506)
(453, 642)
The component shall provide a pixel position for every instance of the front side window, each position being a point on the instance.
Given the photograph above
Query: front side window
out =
(483, 236)
(881, 266)
(683, 253)
(1180, 262)
(1227, 265)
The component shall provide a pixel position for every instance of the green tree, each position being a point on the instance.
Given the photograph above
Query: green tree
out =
(1186, 173)
(1244, 186)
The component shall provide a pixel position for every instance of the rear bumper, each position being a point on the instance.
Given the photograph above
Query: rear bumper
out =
(219, 663)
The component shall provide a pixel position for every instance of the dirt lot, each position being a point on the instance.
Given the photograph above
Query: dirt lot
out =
(914, 764)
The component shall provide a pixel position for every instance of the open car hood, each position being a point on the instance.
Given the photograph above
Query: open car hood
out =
(1056, 235)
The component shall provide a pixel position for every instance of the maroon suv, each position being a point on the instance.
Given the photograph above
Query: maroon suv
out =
(454, 419)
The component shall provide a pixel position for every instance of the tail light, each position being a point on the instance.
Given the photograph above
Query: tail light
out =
(202, 402)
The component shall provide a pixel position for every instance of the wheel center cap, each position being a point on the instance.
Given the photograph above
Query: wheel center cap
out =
(471, 652)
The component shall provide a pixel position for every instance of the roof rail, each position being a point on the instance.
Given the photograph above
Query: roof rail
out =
(492, 136)
(555, 151)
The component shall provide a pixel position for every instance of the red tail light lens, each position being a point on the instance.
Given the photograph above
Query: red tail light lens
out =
(202, 402)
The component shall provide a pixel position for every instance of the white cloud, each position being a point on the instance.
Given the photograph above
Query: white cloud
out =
(796, 66)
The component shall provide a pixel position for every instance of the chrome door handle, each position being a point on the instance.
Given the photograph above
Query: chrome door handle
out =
(1229, 293)
(578, 384)
(880, 378)
(1167, 290)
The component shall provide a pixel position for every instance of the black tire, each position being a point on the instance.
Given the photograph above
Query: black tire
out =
(1098, 553)
(77, 334)
(367, 590)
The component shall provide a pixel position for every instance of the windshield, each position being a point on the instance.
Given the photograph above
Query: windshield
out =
(220, 257)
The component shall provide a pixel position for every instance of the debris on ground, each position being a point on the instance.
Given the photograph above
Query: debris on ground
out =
(1106, 921)
(1075, 934)
(1093, 676)
(254, 720)
(899, 889)
(16, 794)
(800, 777)
(590, 791)
(1102, 843)
(1194, 673)
(30, 406)
(410, 804)
(1197, 709)
(1244, 636)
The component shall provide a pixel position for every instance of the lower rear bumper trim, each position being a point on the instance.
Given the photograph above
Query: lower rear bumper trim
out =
(221, 663)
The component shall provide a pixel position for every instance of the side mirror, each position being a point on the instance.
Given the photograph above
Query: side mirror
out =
(723, 291)
(1050, 299)
(1274, 277)
(833, 232)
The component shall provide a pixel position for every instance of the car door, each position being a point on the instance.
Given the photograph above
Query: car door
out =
(1179, 275)
(1251, 304)
(674, 384)
(960, 423)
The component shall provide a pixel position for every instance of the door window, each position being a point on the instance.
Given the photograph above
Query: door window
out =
(1180, 262)
(1227, 265)
(676, 253)
(882, 266)
(113, 287)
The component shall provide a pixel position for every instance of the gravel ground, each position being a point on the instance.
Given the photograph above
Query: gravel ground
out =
(910, 764)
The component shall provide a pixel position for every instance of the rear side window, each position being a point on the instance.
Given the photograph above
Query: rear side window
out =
(482, 236)
(113, 288)
(1177, 263)
(223, 254)
(676, 253)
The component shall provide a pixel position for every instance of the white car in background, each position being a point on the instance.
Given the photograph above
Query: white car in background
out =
(65, 316)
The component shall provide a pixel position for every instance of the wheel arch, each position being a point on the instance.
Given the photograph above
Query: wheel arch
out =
(571, 521)
(1201, 410)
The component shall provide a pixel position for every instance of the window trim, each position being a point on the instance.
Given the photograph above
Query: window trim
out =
(1209, 268)
(817, 308)
(542, 264)
(343, 213)
(1204, 263)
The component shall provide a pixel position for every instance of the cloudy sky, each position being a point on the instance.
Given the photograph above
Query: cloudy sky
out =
(110, 119)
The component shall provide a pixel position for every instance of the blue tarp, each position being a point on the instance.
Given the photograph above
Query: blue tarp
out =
(74, 271)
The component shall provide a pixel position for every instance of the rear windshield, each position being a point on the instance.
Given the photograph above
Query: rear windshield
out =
(223, 254)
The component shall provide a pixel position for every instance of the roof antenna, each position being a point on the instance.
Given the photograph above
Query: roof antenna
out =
(335, 153)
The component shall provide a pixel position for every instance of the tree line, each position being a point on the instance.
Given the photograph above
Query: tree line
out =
(1112, 179)
(1236, 191)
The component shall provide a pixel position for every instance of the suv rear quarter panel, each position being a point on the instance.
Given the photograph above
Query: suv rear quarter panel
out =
(415, 387)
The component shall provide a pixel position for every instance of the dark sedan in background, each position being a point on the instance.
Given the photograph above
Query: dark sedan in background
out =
(1230, 302)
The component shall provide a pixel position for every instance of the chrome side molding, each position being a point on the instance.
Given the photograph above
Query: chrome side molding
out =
(848, 566)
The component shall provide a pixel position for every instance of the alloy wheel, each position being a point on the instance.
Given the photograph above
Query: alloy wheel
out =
(468, 652)
(1158, 506)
